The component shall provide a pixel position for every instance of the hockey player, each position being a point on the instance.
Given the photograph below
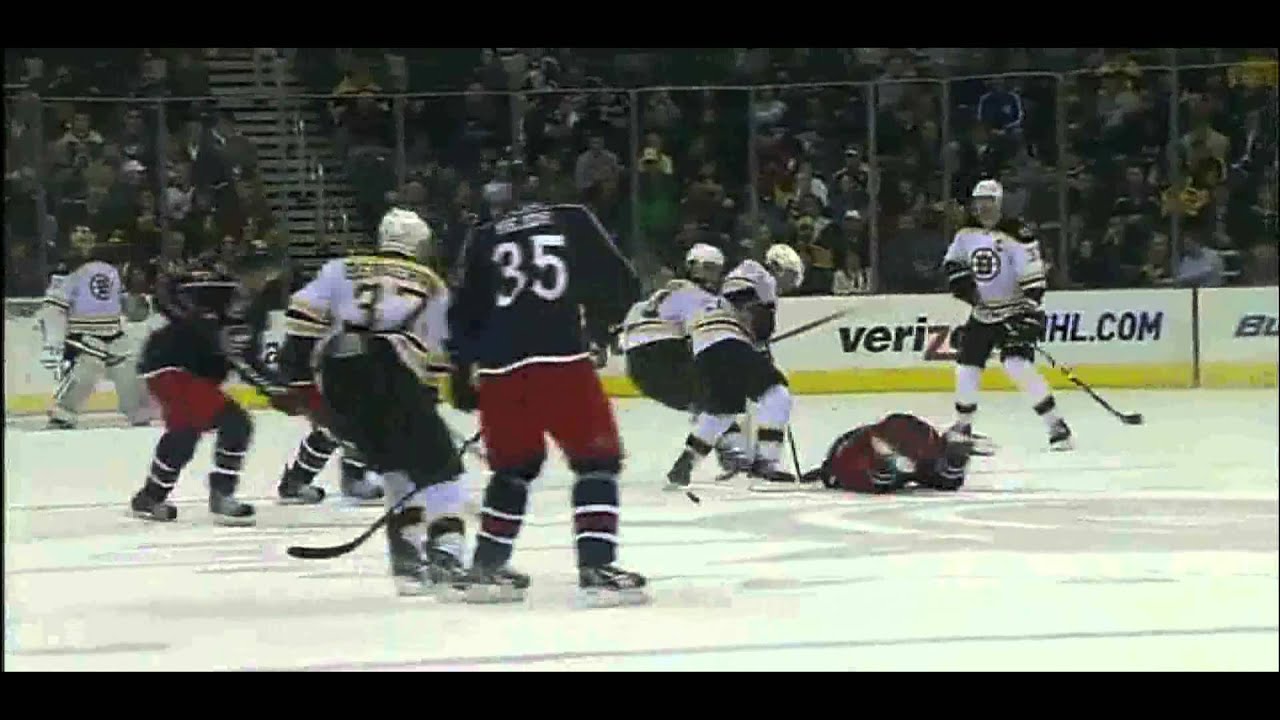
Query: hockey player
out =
(888, 455)
(656, 330)
(730, 338)
(994, 265)
(215, 325)
(82, 323)
(537, 286)
(379, 374)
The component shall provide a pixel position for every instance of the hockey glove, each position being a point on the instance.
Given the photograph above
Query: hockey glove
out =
(1025, 329)
(599, 355)
(463, 389)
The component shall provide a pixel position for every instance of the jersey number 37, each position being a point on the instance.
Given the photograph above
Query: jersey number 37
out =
(533, 265)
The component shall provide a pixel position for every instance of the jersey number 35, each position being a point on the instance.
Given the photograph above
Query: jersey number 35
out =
(536, 257)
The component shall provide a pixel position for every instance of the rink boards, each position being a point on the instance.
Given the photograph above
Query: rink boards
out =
(1150, 338)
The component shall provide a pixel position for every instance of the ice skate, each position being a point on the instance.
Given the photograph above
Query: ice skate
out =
(681, 474)
(610, 586)
(293, 491)
(227, 510)
(145, 507)
(360, 489)
(1060, 437)
(485, 585)
(768, 477)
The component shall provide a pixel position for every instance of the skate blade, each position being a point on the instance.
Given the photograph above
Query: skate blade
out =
(354, 501)
(298, 501)
(148, 516)
(775, 487)
(590, 598)
(1062, 446)
(674, 487)
(228, 521)
(411, 587)
(490, 594)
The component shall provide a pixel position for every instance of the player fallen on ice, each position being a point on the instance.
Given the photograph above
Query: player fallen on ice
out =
(730, 348)
(994, 265)
(896, 452)
(379, 373)
(656, 341)
(538, 286)
(216, 321)
(84, 337)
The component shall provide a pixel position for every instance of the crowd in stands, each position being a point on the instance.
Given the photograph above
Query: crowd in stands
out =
(788, 162)
(88, 148)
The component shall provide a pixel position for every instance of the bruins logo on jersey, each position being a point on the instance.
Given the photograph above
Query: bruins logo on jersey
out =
(100, 286)
(985, 264)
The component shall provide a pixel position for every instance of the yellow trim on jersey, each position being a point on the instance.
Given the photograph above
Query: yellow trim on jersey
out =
(359, 266)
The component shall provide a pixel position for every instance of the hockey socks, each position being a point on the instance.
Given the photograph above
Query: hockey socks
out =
(234, 432)
(1030, 382)
(173, 452)
(500, 519)
(595, 517)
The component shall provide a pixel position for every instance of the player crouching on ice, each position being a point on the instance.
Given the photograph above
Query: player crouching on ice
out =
(898, 451)
(730, 349)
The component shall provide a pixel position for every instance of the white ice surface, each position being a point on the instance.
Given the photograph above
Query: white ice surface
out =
(1151, 547)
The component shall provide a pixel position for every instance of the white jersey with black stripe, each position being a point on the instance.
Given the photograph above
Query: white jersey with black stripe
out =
(666, 315)
(85, 302)
(1005, 263)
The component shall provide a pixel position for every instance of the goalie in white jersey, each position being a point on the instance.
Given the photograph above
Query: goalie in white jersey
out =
(730, 339)
(383, 323)
(994, 265)
(82, 323)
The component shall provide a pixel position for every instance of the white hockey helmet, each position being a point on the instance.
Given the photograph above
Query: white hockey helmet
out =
(704, 264)
(787, 267)
(989, 189)
(403, 232)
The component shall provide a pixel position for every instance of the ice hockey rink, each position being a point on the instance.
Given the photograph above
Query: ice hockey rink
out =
(1148, 548)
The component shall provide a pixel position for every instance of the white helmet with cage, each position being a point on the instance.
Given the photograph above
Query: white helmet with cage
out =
(403, 232)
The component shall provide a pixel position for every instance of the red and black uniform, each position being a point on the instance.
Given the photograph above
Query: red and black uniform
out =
(215, 325)
(887, 455)
(537, 287)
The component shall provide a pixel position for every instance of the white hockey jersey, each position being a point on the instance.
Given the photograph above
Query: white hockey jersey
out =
(751, 275)
(748, 284)
(400, 300)
(1005, 263)
(85, 302)
(667, 315)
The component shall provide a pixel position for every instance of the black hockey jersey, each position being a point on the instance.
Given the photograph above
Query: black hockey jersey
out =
(534, 285)
(215, 324)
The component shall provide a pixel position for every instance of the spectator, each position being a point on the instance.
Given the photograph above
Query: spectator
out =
(818, 248)
(653, 149)
(658, 210)
(1262, 266)
(554, 184)
(1155, 269)
(1199, 266)
(852, 278)
(768, 109)
(1000, 108)
(661, 113)
(1090, 268)
(596, 165)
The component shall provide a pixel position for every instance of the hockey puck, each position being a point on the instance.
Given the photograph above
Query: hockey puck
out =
(696, 500)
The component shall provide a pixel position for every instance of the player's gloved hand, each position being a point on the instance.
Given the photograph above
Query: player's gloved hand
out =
(599, 355)
(463, 389)
(1026, 328)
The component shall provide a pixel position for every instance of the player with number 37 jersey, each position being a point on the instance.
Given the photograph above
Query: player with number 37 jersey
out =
(535, 285)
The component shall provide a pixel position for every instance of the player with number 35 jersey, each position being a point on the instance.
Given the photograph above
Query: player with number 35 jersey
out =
(535, 286)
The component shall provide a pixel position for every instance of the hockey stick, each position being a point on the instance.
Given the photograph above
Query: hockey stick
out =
(806, 327)
(325, 553)
(1126, 418)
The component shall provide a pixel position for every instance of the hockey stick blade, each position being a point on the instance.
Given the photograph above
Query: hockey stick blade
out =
(326, 553)
(806, 327)
(1126, 418)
